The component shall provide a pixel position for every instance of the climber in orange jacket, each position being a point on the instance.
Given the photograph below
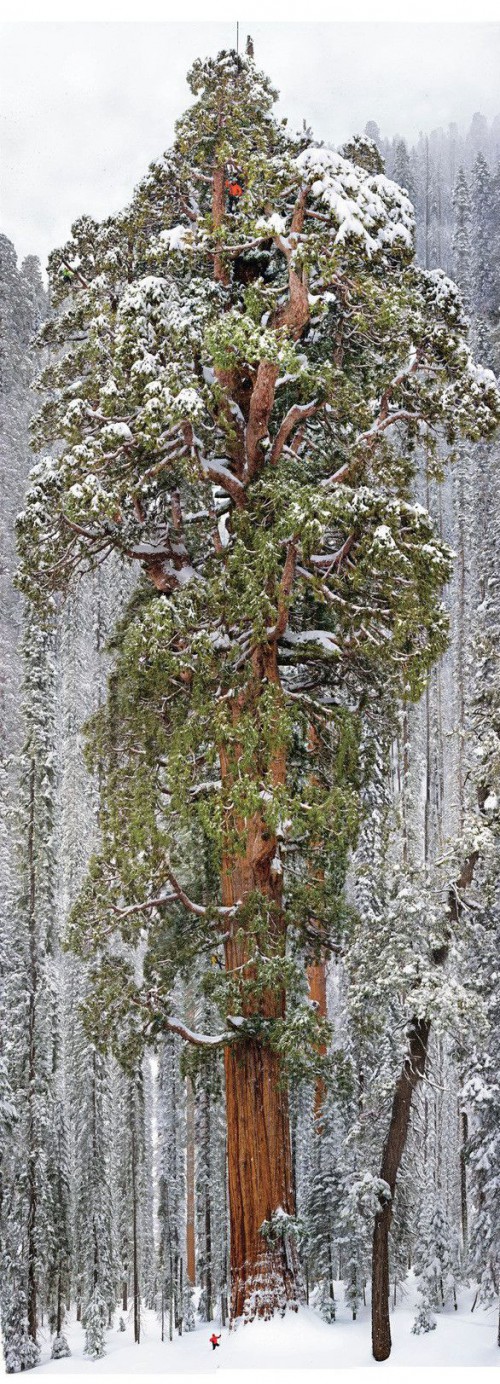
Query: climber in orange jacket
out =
(234, 188)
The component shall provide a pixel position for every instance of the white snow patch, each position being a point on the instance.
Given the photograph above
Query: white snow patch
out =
(298, 1341)
(177, 238)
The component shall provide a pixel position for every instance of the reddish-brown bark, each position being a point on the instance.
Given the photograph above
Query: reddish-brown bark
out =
(316, 979)
(260, 1181)
(263, 1278)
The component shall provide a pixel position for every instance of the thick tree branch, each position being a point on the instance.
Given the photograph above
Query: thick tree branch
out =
(144, 907)
(215, 471)
(384, 420)
(261, 403)
(284, 590)
(295, 415)
(178, 896)
(369, 440)
(197, 908)
(198, 1040)
(75, 273)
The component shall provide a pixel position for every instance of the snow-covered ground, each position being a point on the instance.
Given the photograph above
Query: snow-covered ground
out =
(299, 1341)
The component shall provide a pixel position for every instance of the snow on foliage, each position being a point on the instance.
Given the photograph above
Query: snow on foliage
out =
(369, 208)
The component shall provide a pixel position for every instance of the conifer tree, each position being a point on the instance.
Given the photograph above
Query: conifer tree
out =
(402, 170)
(95, 1265)
(238, 392)
(320, 1215)
(462, 246)
(172, 1185)
(435, 1263)
(35, 1161)
(482, 1087)
(484, 262)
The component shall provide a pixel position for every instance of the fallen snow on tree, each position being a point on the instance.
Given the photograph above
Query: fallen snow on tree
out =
(367, 206)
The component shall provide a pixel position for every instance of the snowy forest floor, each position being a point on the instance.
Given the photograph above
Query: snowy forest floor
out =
(299, 1341)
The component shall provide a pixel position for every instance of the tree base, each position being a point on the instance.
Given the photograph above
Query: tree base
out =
(271, 1285)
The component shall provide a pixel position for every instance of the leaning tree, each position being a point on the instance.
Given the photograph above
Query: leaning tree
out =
(234, 402)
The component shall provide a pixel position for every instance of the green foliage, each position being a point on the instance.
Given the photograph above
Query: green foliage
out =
(234, 400)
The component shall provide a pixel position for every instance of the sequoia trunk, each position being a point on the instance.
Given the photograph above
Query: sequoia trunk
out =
(264, 1274)
(316, 978)
(263, 1278)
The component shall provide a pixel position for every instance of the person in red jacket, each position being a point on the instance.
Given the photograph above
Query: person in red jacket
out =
(214, 1340)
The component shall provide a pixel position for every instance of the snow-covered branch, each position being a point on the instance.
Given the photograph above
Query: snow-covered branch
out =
(297, 414)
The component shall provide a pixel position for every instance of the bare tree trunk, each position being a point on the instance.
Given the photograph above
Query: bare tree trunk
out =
(33, 981)
(316, 977)
(205, 1203)
(264, 1277)
(464, 1130)
(260, 1181)
(137, 1307)
(59, 1305)
(411, 1074)
(190, 1187)
(316, 972)
(258, 1132)
(221, 273)
(181, 1296)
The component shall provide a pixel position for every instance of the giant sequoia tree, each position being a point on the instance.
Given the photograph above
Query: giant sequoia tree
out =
(234, 402)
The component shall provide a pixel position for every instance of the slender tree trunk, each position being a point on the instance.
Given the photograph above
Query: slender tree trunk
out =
(181, 1296)
(464, 1131)
(221, 273)
(331, 1285)
(427, 204)
(412, 1073)
(59, 1304)
(137, 1310)
(316, 973)
(316, 978)
(33, 982)
(190, 1188)
(208, 1251)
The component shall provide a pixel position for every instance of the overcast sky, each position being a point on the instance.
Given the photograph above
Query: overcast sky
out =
(85, 107)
